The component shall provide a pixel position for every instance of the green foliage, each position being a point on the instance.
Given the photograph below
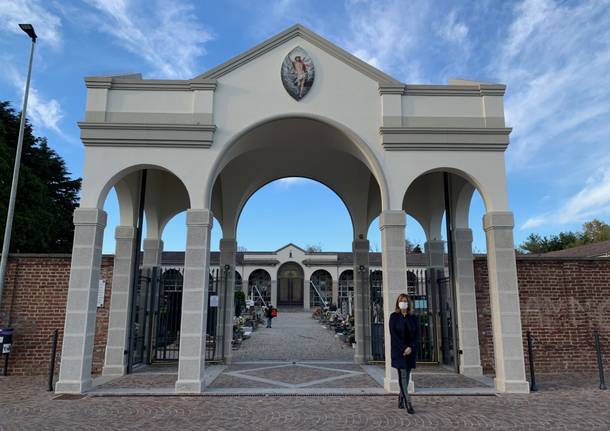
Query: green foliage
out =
(593, 231)
(46, 195)
(313, 248)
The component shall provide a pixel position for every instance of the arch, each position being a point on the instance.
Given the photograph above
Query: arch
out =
(323, 283)
(470, 178)
(229, 152)
(245, 200)
(111, 181)
(259, 286)
(290, 279)
(345, 290)
(238, 281)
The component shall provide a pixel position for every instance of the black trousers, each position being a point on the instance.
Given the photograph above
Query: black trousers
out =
(403, 382)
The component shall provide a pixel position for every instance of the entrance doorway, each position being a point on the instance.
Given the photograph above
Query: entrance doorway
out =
(290, 285)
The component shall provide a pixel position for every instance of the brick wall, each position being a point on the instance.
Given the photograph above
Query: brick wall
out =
(34, 302)
(562, 301)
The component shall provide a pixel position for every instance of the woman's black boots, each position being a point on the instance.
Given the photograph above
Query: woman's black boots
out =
(401, 402)
(410, 408)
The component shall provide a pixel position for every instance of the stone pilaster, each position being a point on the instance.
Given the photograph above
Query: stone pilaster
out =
(153, 250)
(191, 363)
(393, 261)
(115, 363)
(504, 299)
(79, 327)
(273, 291)
(362, 301)
(470, 359)
(228, 253)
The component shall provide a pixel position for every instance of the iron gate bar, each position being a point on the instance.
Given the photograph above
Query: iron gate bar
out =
(450, 252)
(136, 267)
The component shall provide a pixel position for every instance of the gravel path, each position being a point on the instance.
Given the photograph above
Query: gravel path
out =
(295, 336)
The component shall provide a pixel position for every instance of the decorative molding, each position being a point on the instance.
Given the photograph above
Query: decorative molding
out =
(444, 139)
(135, 82)
(138, 135)
(477, 90)
(299, 31)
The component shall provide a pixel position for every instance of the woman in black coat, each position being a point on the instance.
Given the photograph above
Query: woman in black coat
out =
(404, 335)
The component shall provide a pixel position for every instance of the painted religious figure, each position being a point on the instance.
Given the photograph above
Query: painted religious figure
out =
(298, 73)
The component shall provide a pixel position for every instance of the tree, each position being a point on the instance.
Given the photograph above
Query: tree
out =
(313, 248)
(46, 195)
(595, 231)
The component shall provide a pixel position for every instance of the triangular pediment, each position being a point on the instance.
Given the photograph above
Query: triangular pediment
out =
(299, 30)
(289, 245)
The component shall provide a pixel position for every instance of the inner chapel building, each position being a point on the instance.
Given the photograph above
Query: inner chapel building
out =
(295, 105)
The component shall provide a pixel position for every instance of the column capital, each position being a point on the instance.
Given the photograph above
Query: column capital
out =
(463, 234)
(361, 245)
(199, 217)
(392, 218)
(89, 217)
(124, 232)
(228, 244)
(498, 220)
(152, 243)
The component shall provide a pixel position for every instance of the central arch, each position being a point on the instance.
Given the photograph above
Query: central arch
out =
(290, 278)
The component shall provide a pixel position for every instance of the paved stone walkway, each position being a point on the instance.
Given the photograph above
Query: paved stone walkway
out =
(563, 403)
(295, 336)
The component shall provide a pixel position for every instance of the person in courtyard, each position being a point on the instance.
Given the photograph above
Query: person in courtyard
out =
(270, 313)
(404, 340)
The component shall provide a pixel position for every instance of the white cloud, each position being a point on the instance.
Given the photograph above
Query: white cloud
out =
(46, 24)
(555, 61)
(383, 33)
(292, 181)
(166, 34)
(592, 200)
(42, 112)
(451, 30)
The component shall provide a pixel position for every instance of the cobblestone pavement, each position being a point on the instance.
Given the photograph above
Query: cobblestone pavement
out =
(295, 336)
(563, 402)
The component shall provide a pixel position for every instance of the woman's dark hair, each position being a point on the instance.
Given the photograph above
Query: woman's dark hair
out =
(406, 298)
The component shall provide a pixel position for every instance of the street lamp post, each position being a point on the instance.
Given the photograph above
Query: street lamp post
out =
(29, 30)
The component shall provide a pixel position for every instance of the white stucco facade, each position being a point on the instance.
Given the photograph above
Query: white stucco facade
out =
(208, 143)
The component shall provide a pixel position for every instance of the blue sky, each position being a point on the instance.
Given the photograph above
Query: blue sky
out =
(554, 57)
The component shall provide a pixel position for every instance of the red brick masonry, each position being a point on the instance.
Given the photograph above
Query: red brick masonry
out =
(34, 302)
(562, 300)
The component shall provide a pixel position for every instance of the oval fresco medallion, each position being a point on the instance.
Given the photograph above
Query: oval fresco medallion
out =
(298, 73)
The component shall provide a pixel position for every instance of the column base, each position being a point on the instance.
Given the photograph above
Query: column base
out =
(114, 371)
(73, 387)
(359, 359)
(512, 386)
(189, 386)
(471, 371)
(391, 385)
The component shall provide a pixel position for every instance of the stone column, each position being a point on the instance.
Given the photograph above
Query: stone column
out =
(191, 363)
(362, 301)
(468, 330)
(115, 363)
(435, 251)
(504, 299)
(79, 327)
(274, 292)
(306, 294)
(153, 251)
(394, 265)
(334, 297)
(228, 253)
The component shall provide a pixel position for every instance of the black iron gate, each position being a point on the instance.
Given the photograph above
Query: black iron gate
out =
(142, 318)
(168, 312)
(420, 291)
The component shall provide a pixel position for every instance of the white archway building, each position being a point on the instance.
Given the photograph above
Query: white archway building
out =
(207, 144)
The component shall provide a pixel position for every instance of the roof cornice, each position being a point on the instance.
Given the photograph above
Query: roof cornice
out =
(299, 30)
